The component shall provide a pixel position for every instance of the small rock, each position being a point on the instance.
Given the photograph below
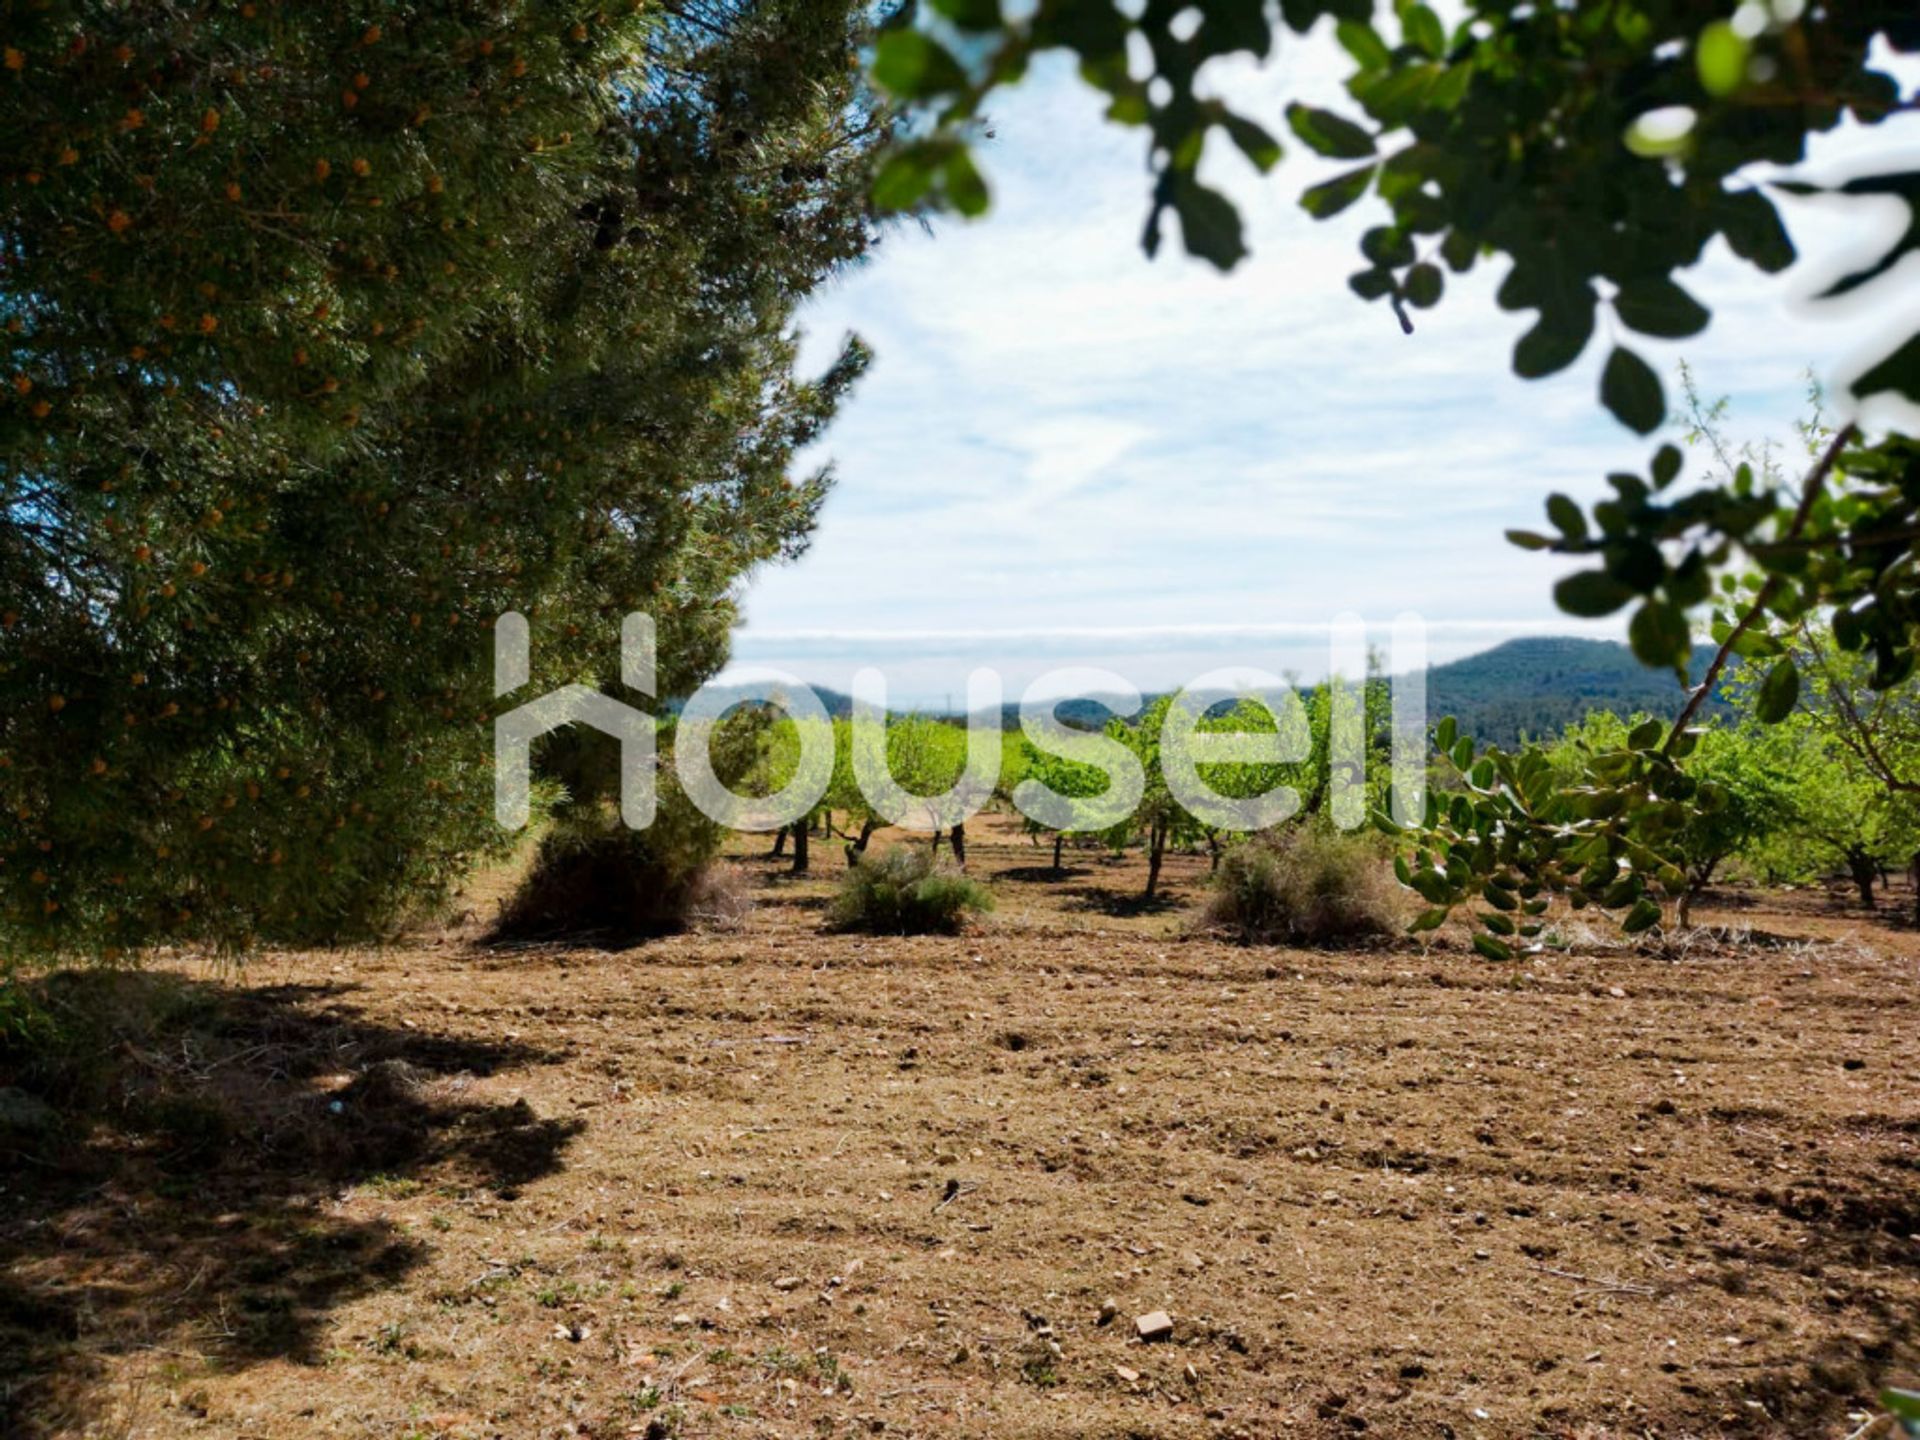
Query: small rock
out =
(1154, 1326)
(1616, 992)
(787, 1282)
(1127, 1377)
(681, 1321)
(946, 1157)
(1108, 1312)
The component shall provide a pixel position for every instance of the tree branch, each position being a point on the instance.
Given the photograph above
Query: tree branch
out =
(1816, 482)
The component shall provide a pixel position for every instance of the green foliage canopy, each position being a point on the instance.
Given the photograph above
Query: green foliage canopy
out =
(335, 332)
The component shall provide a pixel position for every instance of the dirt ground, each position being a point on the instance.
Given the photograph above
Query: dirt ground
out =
(776, 1182)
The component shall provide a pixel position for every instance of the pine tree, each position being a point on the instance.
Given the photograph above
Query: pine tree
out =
(334, 333)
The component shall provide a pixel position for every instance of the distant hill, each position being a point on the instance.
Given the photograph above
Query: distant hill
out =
(1528, 688)
(1536, 687)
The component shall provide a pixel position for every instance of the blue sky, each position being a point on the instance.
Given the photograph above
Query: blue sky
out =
(1068, 454)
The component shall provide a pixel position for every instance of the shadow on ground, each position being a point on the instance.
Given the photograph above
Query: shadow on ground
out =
(1038, 874)
(1105, 900)
(171, 1148)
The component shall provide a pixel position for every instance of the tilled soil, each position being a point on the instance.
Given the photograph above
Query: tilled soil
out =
(779, 1182)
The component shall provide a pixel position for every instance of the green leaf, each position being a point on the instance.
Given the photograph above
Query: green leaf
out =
(1496, 922)
(1660, 635)
(1554, 343)
(1900, 371)
(1330, 197)
(1445, 731)
(1654, 305)
(906, 176)
(1645, 735)
(1753, 229)
(914, 65)
(1721, 56)
(970, 14)
(1431, 919)
(1364, 44)
(1254, 142)
(1329, 134)
(1666, 466)
(1491, 948)
(1904, 1406)
(1370, 284)
(1644, 915)
(1567, 517)
(1778, 693)
(1459, 250)
(1423, 286)
(1387, 246)
(1209, 224)
(965, 188)
(1230, 25)
(1591, 594)
(1089, 28)
(1423, 28)
(1630, 389)
(1531, 540)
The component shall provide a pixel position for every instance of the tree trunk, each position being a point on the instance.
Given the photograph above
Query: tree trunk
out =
(1864, 872)
(1913, 878)
(779, 844)
(858, 846)
(1697, 881)
(1213, 852)
(1156, 849)
(957, 838)
(1059, 839)
(800, 829)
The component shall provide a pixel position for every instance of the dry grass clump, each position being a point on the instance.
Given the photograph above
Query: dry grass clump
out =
(902, 892)
(1305, 885)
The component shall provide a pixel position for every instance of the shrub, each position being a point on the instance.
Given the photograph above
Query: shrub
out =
(902, 892)
(594, 878)
(1304, 885)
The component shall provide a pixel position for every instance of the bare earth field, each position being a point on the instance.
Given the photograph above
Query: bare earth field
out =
(781, 1183)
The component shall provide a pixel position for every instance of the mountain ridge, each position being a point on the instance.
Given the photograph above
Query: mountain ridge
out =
(1531, 687)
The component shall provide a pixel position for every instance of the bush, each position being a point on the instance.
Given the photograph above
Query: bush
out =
(594, 878)
(902, 892)
(1304, 885)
